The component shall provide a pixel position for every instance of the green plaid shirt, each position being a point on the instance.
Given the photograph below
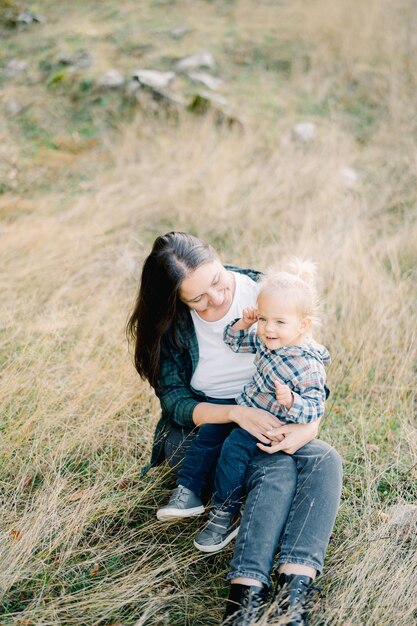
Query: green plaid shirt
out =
(178, 400)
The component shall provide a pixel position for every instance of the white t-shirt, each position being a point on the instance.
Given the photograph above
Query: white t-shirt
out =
(220, 372)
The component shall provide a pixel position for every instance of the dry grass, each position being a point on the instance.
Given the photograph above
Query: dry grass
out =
(79, 543)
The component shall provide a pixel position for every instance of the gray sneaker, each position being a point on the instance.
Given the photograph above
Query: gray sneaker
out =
(182, 503)
(219, 531)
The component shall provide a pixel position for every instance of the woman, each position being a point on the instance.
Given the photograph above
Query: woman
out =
(185, 299)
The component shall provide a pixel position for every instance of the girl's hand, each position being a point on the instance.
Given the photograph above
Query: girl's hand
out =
(256, 421)
(283, 394)
(290, 437)
(250, 315)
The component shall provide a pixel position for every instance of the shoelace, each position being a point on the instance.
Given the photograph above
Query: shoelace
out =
(252, 601)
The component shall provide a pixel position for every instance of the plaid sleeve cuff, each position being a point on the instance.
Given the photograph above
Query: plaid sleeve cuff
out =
(295, 413)
(303, 411)
(234, 338)
(183, 412)
(230, 335)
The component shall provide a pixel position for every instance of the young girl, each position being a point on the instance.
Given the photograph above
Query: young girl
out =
(289, 382)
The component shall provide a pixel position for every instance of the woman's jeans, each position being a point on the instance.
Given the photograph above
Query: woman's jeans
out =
(292, 500)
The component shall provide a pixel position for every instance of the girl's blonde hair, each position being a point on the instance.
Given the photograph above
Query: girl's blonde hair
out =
(298, 285)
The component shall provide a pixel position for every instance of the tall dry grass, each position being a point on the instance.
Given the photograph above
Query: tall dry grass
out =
(79, 542)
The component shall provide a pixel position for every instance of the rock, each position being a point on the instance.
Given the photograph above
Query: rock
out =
(349, 177)
(151, 98)
(154, 79)
(205, 101)
(179, 32)
(206, 79)
(403, 515)
(133, 87)
(27, 17)
(112, 79)
(201, 59)
(304, 131)
(210, 98)
(15, 67)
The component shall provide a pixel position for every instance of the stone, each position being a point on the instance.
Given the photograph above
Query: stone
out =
(112, 79)
(27, 17)
(206, 79)
(205, 101)
(179, 32)
(15, 67)
(154, 79)
(201, 59)
(403, 515)
(304, 131)
(349, 177)
(133, 87)
(159, 97)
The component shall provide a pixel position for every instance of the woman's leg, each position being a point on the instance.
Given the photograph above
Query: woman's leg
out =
(177, 442)
(313, 511)
(295, 497)
(271, 483)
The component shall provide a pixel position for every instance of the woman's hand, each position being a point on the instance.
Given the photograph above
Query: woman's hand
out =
(290, 437)
(256, 421)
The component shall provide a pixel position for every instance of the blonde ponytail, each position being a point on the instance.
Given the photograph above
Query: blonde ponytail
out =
(306, 270)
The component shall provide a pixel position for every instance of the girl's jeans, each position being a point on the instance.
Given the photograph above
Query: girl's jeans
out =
(292, 500)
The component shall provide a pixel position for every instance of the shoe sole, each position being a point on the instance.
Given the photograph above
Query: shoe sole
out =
(219, 546)
(164, 515)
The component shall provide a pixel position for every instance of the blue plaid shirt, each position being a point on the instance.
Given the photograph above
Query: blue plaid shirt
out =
(299, 367)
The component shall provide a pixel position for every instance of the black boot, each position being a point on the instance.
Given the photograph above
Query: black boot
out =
(245, 604)
(295, 592)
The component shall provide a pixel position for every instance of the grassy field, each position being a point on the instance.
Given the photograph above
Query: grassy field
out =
(89, 177)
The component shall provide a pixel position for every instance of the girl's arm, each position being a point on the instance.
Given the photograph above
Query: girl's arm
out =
(239, 336)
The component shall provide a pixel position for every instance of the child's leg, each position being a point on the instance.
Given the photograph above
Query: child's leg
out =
(236, 454)
(202, 456)
(222, 525)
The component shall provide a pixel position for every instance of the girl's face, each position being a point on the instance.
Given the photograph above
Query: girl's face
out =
(279, 323)
(208, 288)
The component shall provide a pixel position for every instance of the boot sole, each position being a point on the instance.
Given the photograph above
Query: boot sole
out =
(164, 515)
(219, 546)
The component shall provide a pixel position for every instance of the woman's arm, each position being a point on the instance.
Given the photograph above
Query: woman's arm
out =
(185, 408)
(256, 421)
(290, 437)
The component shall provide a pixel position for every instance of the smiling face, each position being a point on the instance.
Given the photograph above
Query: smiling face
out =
(279, 322)
(208, 290)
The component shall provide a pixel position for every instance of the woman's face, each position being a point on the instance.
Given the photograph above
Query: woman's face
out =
(207, 288)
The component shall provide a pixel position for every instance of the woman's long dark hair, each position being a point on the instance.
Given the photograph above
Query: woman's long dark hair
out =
(158, 309)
